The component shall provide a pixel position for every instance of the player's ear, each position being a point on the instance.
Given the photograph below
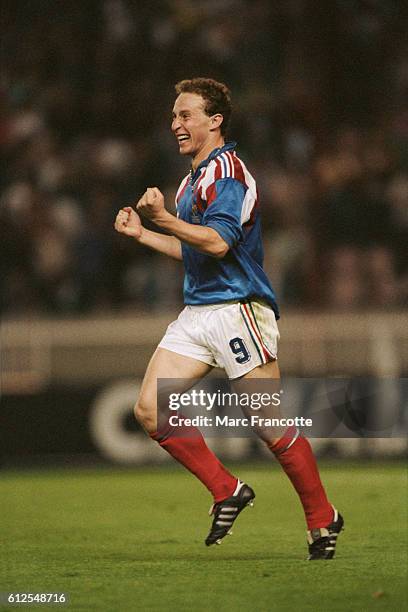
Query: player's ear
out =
(216, 121)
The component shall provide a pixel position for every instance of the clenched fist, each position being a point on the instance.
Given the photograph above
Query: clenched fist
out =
(128, 222)
(151, 204)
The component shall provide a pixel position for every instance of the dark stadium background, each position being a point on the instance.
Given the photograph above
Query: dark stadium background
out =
(320, 94)
(89, 505)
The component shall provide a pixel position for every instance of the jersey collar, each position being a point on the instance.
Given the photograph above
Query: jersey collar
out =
(218, 151)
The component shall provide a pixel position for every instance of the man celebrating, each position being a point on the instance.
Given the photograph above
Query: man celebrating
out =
(230, 316)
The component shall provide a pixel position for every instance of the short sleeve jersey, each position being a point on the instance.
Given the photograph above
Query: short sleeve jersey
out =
(222, 194)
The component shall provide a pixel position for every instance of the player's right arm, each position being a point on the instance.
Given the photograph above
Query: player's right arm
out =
(128, 222)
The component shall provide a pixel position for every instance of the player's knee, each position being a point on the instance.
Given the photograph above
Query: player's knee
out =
(140, 411)
(146, 416)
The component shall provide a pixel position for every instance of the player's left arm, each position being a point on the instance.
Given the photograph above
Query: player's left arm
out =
(204, 239)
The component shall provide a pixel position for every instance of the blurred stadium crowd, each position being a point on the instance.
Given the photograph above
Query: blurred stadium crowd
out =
(320, 96)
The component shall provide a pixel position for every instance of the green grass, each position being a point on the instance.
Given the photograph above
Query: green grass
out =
(133, 540)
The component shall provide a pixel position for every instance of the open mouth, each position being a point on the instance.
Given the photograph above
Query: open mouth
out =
(183, 137)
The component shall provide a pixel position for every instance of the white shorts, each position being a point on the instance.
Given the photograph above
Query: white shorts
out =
(237, 337)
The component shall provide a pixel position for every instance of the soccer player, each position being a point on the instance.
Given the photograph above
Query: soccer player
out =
(230, 315)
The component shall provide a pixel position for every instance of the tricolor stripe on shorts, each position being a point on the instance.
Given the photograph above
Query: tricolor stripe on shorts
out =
(255, 333)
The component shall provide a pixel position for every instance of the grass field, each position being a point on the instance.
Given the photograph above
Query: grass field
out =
(133, 540)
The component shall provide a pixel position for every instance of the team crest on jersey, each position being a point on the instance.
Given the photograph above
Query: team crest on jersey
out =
(195, 217)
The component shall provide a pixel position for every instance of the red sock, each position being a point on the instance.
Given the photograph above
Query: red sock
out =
(296, 458)
(188, 447)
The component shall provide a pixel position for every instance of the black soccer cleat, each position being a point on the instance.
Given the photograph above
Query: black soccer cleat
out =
(322, 542)
(225, 512)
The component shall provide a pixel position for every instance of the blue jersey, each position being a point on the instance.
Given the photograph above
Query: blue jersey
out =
(222, 194)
